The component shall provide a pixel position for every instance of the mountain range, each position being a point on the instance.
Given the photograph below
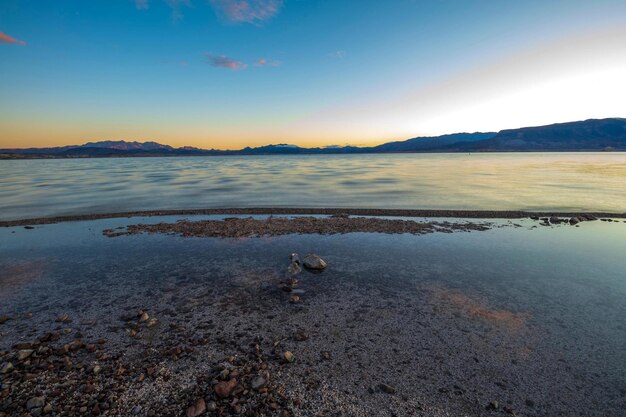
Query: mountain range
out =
(589, 135)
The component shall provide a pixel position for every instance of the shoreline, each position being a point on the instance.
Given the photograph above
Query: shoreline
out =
(462, 214)
(392, 325)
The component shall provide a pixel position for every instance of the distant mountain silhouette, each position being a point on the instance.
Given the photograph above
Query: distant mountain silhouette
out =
(588, 135)
(430, 143)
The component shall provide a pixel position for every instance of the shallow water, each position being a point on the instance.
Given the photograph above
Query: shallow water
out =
(511, 181)
(550, 300)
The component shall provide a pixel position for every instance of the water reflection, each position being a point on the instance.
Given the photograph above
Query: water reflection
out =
(554, 181)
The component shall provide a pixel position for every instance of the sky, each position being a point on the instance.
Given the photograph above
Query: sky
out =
(226, 74)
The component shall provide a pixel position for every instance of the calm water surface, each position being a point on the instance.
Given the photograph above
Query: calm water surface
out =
(550, 181)
(551, 298)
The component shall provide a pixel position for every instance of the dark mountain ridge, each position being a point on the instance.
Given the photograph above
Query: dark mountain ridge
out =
(587, 135)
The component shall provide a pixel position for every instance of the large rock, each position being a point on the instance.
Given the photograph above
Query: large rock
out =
(314, 262)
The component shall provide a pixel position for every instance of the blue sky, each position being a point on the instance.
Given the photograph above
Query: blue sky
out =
(230, 73)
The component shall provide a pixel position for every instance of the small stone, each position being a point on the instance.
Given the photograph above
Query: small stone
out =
(211, 406)
(325, 355)
(294, 299)
(294, 258)
(152, 322)
(24, 353)
(294, 268)
(63, 318)
(35, 402)
(258, 382)
(574, 220)
(288, 356)
(314, 262)
(387, 388)
(47, 409)
(493, 405)
(589, 217)
(97, 369)
(301, 336)
(143, 316)
(224, 389)
(197, 409)
(6, 368)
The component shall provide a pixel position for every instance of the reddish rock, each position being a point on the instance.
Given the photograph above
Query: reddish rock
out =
(197, 409)
(224, 389)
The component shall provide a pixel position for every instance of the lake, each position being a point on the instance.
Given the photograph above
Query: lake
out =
(529, 317)
(493, 181)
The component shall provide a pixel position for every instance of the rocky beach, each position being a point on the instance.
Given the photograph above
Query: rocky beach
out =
(313, 316)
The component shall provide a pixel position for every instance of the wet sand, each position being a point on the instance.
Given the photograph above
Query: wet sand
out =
(155, 324)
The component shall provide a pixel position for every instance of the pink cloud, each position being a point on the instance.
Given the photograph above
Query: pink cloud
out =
(248, 11)
(264, 62)
(222, 61)
(4, 38)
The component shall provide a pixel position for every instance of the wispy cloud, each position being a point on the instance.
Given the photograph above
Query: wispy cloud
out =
(176, 5)
(264, 62)
(338, 54)
(4, 38)
(141, 4)
(247, 11)
(222, 61)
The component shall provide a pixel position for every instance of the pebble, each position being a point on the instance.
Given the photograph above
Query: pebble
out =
(197, 409)
(35, 402)
(295, 299)
(294, 268)
(314, 262)
(288, 356)
(258, 382)
(493, 405)
(6, 368)
(224, 389)
(63, 318)
(24, 353)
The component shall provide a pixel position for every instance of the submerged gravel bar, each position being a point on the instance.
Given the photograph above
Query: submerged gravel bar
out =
(275, 226)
